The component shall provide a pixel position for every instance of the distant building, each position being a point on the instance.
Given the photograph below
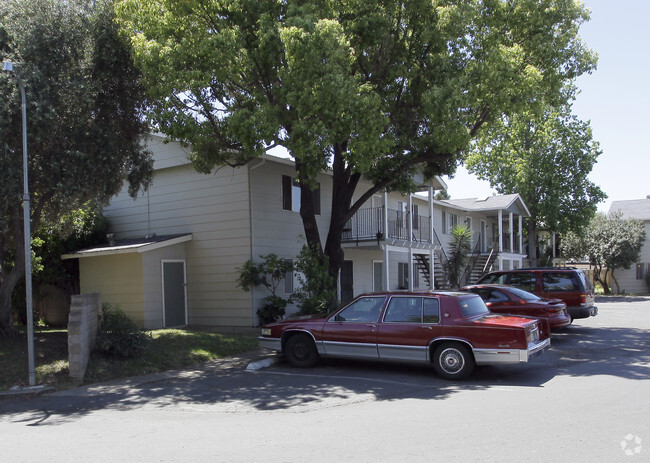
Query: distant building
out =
(633, 279)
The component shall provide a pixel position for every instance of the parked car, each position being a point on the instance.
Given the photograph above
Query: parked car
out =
(452, 331)
(569, 284)
(510, 300)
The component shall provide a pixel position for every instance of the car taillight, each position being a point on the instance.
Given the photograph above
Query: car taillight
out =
(553, 310)
(533, 333)
(583, 299)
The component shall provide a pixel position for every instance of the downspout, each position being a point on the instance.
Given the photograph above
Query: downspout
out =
(250, 226)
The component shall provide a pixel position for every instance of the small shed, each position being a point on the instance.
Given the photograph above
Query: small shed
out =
(145, 277)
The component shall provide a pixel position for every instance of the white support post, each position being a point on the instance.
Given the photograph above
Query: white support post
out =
(431, 253)
(521, 234)
(500, 218)
(386, 234)
(410, 241)
(511, 231)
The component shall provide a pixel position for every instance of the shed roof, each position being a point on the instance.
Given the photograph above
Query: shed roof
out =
(126, 246)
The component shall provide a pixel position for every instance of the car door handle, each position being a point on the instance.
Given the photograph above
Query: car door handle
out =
(426, 327)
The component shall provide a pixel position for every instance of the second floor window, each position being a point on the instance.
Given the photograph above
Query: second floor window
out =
(449, 221)
(291, 195)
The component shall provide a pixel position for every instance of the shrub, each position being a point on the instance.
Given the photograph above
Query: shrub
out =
(273, 309)
(118, 335)
(315, 293)
(269, 273)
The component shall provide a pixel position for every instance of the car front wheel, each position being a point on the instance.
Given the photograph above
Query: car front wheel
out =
(301, 351)
(453, 361)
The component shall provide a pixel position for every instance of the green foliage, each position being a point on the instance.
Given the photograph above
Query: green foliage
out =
(118, 335)
(459, 248)
(85, 125)
(608, 243)
(270, 273)
(371, 90)
(546, 157)
(314, 293)
(273, 309)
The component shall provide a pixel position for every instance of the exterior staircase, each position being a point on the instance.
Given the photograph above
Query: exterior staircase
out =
(424, 265)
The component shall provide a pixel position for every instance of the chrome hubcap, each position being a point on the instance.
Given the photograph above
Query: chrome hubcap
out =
(451, 361)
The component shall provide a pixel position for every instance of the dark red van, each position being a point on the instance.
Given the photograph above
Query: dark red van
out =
(566, 283)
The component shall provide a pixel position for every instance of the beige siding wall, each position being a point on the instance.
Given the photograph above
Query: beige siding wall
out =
(152, 280)
(215, 209)
(275, 230)
(118, 280)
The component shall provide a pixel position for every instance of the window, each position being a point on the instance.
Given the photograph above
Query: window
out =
(288, 279)
(449, 221)
(431, 310)
(377, 276)
(523, 280)
(416, 217)
(291, 195)
(404, 310)
(364, 310)
(640, 274)
(401, 213)
(403, 275)
(559, 282)
(473, 306)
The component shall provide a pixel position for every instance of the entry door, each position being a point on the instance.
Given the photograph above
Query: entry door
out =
(347, 283)
(174, 293)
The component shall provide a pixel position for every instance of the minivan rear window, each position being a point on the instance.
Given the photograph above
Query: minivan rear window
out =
(559, 281)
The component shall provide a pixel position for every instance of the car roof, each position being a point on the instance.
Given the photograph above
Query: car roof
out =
(416, 292)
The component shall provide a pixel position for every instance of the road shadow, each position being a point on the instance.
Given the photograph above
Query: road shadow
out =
(227, 386)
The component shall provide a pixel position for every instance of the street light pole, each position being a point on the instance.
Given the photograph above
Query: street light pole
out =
(8, 68)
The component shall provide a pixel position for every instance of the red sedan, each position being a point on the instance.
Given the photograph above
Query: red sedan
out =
(510, 300)
(451, 331)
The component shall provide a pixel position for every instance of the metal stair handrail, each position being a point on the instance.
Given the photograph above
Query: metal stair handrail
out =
(476, 252)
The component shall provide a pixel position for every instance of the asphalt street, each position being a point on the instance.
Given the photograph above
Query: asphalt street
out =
(586, 399)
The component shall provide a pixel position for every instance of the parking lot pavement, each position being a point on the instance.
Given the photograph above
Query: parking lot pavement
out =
(586, 399)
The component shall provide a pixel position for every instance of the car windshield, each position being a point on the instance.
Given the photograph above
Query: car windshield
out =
(472, 306)
(525, 295)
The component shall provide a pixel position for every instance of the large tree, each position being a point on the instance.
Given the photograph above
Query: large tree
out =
(546, 157)
(608, 243)
(367, 89)
(85, 123)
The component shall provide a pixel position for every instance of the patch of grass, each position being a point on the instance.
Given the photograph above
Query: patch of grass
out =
(167, 350)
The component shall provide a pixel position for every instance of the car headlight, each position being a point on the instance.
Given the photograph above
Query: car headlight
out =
(266, 331)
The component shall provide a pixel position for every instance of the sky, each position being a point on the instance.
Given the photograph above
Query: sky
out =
(615, 98)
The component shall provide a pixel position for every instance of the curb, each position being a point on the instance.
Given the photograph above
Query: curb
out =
(29, 391)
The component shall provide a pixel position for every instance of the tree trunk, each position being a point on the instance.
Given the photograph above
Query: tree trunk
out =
(618, 288)
(602, 279)
(9, 280)
(532, 242)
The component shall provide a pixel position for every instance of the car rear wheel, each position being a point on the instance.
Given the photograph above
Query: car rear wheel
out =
(301, 351)
(452, 360)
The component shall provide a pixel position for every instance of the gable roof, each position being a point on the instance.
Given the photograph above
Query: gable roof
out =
(632, 209)
(510, 203)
